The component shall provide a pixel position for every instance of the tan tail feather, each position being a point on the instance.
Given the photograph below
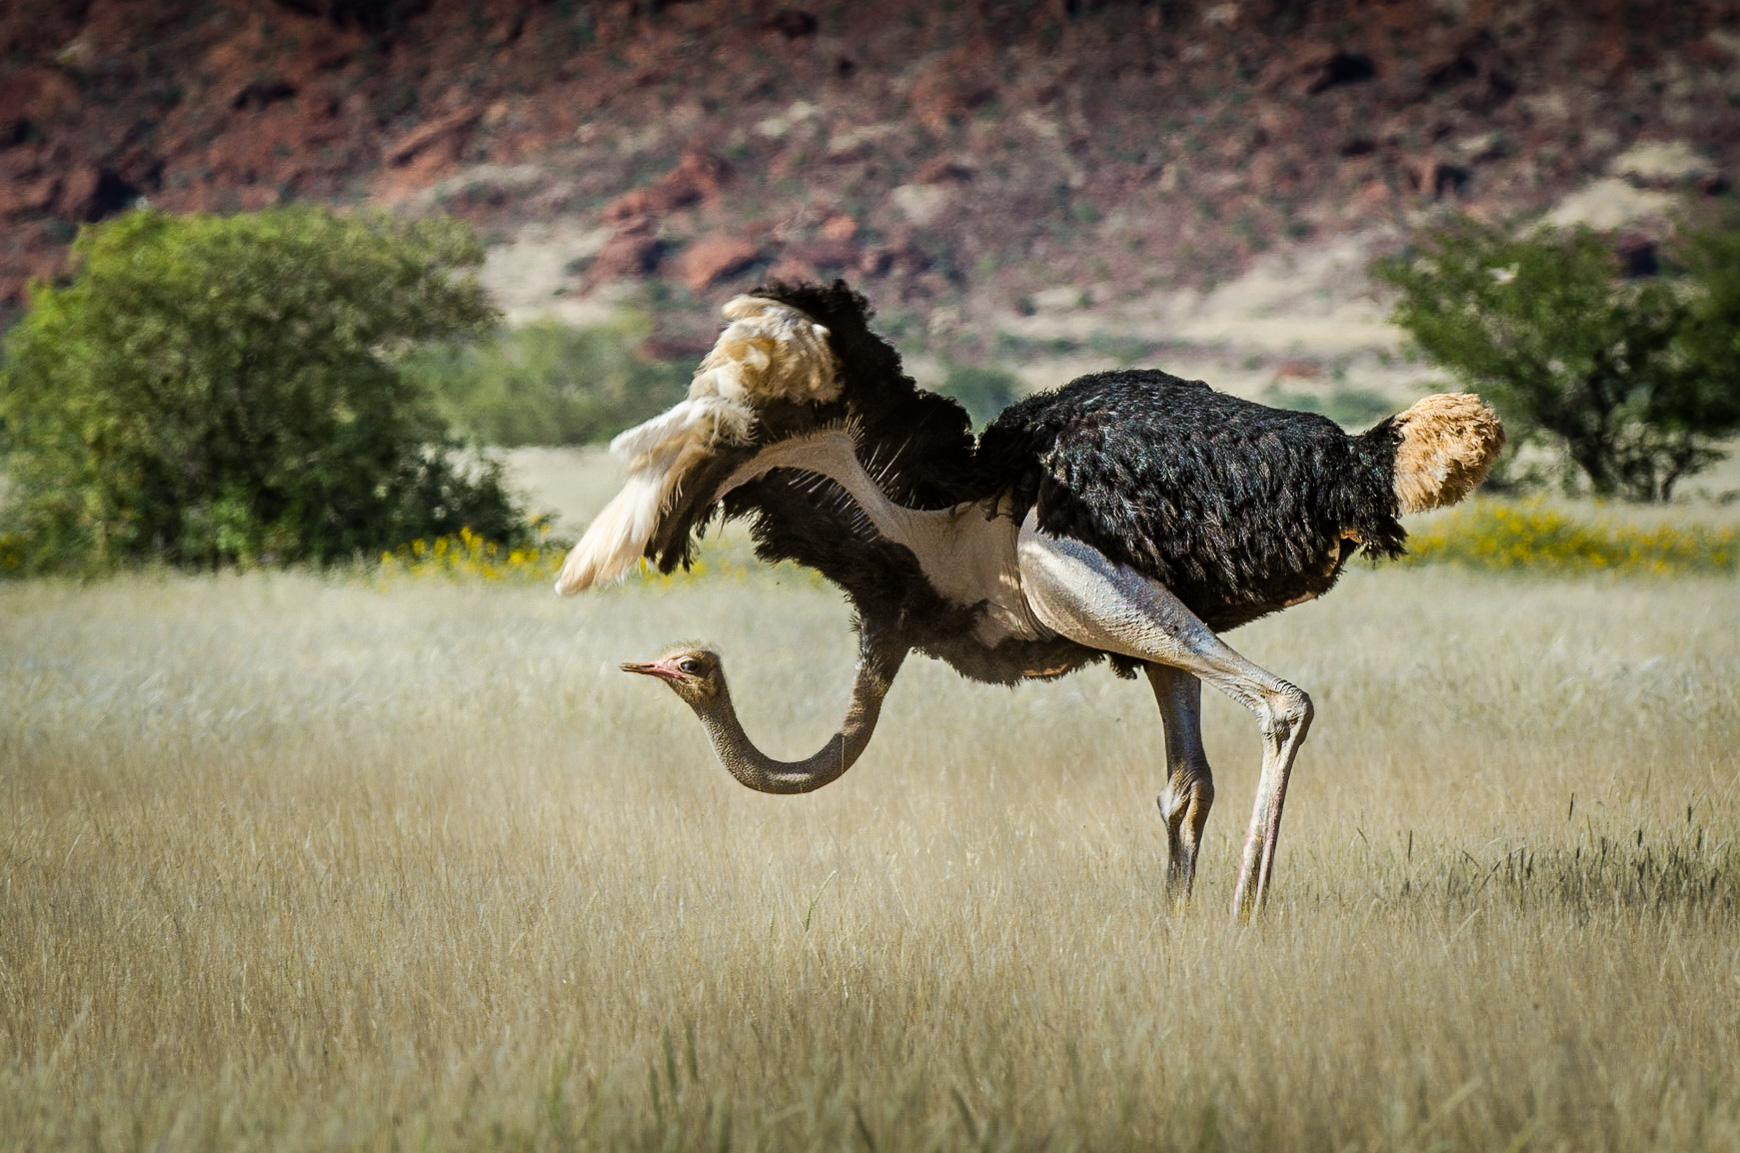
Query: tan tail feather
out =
(769, 351)
(1449, 442)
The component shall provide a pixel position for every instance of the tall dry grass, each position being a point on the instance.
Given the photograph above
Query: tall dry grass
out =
(289, 864)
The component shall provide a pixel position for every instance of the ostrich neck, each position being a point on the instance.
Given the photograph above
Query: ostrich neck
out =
(876, 670)
(830, 453)
(967, 553)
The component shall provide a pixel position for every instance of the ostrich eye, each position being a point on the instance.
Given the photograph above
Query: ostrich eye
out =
(689, 665)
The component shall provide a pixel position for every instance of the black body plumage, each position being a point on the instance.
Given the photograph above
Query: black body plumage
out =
(1238, 508)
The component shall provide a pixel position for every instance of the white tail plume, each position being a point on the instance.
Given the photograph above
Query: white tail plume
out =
(768, 351)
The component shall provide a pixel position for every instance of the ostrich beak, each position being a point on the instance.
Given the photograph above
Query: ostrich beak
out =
(659, 669)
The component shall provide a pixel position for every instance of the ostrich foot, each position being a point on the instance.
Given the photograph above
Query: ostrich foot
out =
(1189, 792)
(1185, 809)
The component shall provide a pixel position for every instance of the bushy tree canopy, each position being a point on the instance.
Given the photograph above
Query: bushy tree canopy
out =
(1637, 380)
(549, 383)
(210, 389)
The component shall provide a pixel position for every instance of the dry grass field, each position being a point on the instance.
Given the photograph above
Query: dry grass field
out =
(290, 863)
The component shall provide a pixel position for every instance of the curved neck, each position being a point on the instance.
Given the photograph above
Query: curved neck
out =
(877, 666)
(831, 453)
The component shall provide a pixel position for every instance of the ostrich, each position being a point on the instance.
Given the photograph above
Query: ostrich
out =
(1128, 517)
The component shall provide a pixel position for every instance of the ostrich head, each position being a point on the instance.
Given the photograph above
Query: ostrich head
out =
(1449, 442)
(695, 674)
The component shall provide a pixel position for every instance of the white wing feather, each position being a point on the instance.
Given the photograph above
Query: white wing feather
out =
(769, 351)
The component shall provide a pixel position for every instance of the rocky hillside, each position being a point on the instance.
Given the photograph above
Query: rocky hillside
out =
(987, 171)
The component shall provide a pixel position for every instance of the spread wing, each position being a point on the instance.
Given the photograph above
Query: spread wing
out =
(791, 360)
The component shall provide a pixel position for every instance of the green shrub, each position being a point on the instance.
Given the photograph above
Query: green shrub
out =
(548, 383)
(1637, 381)
(209, 390)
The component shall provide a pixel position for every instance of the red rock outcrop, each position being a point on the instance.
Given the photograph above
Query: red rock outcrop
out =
(1119, 143)
(698, 176)
(714, 257)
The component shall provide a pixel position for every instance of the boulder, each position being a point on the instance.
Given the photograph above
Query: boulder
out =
(952, 86)
(445, 134)
(1314, 70)
(21, 197)
(78, 194)
(634, 250)
(1666, 164)
(923, 204)
(698, 176)
(944, 170)
(714, 257)
(839, 227)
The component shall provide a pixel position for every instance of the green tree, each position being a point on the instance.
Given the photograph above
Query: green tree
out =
(548, 383)
(211, 389)
(1636, 380)
(1710, 335)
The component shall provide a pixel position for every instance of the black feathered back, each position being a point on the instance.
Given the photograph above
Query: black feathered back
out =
(1235, 507)
(918, 444)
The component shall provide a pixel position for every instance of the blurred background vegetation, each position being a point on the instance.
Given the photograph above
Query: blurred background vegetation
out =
(983, 391)
(549, 383)
(211, 390)
(1629, 377)
(302, 386)
(1347, 406)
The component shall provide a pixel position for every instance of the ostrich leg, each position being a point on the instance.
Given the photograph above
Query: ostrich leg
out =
(1189, 792)
(1078, 593)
